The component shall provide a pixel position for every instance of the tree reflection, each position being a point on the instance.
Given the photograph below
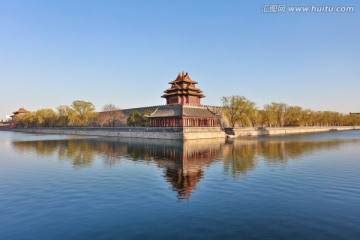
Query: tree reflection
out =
(79, 151)
(239, 157)
(46, 148)
(278, 152)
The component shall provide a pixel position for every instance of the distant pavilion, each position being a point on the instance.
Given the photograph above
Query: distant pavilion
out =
(20, 111)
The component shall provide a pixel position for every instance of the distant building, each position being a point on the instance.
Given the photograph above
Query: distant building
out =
(7, 118)
(20, 111)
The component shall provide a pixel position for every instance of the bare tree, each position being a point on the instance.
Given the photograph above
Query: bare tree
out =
(110, 114)
(101, 119)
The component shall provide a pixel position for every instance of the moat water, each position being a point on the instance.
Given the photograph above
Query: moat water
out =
(71, 187)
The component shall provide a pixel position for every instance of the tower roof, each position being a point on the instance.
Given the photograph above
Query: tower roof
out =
(183, 77)
(183, 85)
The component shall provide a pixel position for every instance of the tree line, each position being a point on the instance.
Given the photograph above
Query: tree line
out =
(242, 112)
(238, 110)
(79, 113)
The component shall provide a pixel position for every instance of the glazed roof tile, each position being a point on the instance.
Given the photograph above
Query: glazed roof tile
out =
(197, 112)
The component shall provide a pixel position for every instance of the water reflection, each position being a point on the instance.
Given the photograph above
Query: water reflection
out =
(241, 156)
(184, 162)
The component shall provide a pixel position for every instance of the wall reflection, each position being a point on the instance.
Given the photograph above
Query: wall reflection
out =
(184, 162)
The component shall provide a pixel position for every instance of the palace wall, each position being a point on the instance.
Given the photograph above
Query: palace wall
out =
(135, 132)
(124, 113)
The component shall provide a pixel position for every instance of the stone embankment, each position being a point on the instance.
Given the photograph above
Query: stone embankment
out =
(274, 131)
(182, 133)
(135, 132)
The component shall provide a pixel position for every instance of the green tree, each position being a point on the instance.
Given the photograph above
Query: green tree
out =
(262, 118)
(276, 111)
(352, 120)
(293, 116)
(85, 112)
(45, 117)
(307, 117)
(269, 115)
(24, 120)
(236, 110)
(145, 119)
(136, 119)
(254, 116)
(66, 116)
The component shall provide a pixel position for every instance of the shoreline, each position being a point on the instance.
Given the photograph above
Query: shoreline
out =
(133, 132)
(181, 132)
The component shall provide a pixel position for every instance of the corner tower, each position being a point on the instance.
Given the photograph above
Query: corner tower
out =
(183, 91)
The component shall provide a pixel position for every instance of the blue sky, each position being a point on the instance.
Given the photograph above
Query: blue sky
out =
(125, 53)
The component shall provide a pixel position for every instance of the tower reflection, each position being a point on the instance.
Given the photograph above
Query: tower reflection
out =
(184, 162)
